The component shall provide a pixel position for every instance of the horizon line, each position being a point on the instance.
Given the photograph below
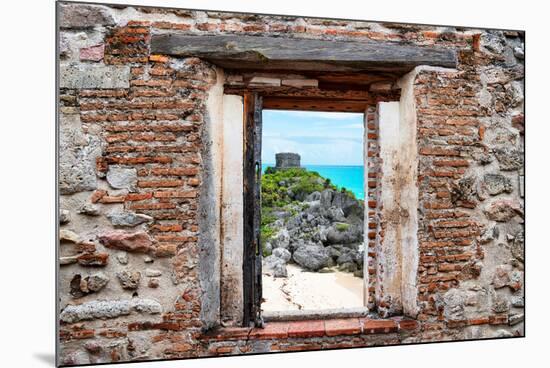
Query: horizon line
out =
(302, 165)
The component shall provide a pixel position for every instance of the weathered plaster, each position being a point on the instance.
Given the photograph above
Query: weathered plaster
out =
(232, 211)
(408, 192)
(209, 205)
(389, 260)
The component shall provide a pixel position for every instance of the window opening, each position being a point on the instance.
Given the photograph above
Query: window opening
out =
(312, 211)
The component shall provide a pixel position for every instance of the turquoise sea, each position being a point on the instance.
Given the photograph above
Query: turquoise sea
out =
(349, 177)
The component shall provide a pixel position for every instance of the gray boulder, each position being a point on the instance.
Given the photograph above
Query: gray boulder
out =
(348, 267)
(282, 253)
(294, 222)
(345, 202)
(281, 239)
(314, 207)
(335, 214)
(315, 196)
(311, 256)
(326, 198)
(344, 234)
(276, 265)
(280, 214)
(267, 248)
(346, 257)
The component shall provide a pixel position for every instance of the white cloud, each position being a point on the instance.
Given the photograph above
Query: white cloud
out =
(320, 138)
(318, 114)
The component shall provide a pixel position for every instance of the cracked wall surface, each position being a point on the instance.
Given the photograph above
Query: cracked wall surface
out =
(144, 220)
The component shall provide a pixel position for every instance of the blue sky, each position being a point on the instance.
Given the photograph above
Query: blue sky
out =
(321, 138)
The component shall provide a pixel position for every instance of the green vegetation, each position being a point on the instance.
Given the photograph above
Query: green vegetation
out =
(281, 187)
(341, 226)
(284, 191)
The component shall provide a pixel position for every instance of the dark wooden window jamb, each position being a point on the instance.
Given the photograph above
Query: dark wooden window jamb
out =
(252, 256)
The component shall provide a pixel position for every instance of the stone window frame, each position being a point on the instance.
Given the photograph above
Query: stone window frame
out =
(391, 107)
(316, 104)
(338, 65)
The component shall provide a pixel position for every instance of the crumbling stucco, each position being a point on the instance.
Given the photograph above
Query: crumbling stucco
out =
(232, 211)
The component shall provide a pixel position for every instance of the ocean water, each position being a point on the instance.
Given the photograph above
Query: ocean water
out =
(349, 177)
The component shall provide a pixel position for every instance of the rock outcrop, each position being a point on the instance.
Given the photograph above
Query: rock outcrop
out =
(319, 229)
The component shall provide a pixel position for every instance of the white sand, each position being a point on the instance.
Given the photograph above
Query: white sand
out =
(303, 290)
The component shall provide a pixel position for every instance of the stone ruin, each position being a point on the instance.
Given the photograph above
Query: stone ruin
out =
(287, 160)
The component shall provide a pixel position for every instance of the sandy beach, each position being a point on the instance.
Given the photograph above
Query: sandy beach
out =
(303, 290)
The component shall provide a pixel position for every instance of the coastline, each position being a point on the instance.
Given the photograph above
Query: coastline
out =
(350, 177)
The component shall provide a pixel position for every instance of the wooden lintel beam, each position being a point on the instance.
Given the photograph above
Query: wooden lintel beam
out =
(284, 103)
(290, 92)
(268, 53)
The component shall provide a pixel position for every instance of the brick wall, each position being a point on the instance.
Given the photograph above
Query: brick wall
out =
(375, 232)
(471, 211)
(132, 171)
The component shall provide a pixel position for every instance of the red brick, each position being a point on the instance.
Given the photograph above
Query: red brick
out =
(175, 238)
(224, 349)
(451, 163)
(194, 182)
(176, 171)
(437, 151)
(176, 194)
(499, 319)
(112, 199)
(479, 321)
(408, 324)
(227, 333)
(348, 326)
(158, 58)
(159, 183)
(481, 132)
(96, 259)
(165, 250)
(139, 160)
(167, 228)
(80, 334)
(313, 328)
(453, 224)
(180, 347)
(112, 334)
(206, 26)
(476, 41)
(138, 196)
(376, 326)
(141, 326)
(97, 195)
(153, 206)
(168, 25)
(272, 330)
